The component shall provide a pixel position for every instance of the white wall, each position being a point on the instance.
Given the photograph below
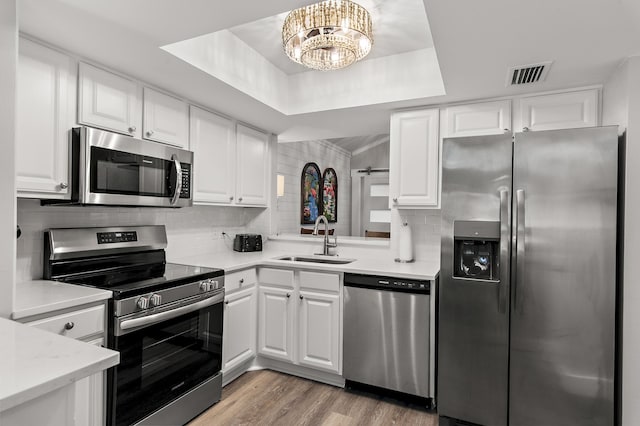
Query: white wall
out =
(375, 157)
(291, 159)
(8, 67)
(191, 231)
(621, 106)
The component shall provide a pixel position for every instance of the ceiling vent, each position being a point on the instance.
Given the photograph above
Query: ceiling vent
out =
(528, 74)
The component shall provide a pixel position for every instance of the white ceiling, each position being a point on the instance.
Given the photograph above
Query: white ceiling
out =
(476, 41)
(399, 26)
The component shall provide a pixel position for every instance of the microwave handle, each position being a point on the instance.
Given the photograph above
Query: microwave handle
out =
(178, 189)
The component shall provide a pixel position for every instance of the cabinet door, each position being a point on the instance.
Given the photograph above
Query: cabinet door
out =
(45, 113)
(212, 139)
(239, 335)
(414, 159)
(253, 167)
(166, 119)
(486, 118)
(90, 397)
(108, 101)
(319, 331)
(275, 323)
(559, 111)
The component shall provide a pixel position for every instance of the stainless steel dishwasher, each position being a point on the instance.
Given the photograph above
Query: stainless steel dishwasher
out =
(389, 334)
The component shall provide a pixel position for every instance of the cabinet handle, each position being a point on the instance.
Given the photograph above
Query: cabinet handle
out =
(395, 200)
(507, 130)
(149, 132)
(239, 199)
(226, 302)
(301, 297)
(63, 185)
(132, 129)
(288, 295)
(231, 198)
(525, 129)
(241, 280)
(69, 325)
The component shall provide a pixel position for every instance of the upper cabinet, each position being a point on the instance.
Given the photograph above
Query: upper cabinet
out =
(165, 119)
(252, 165)
(414, 159)
(45, 113)
(213, 142)
(108, 101)
(486, 118)
(559, 111)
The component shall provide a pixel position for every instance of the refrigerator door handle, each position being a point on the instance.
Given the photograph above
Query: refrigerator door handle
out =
(503, 289)
(519, 272)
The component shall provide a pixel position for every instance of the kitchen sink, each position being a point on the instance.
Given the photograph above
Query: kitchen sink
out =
(313, 259)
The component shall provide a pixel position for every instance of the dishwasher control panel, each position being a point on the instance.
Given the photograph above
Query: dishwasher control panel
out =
(387, 283)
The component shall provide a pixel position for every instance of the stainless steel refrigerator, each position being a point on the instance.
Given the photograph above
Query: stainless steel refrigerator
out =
(527, 298)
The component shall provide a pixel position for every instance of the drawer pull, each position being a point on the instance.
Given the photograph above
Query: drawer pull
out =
(241, 280)
(69, 325)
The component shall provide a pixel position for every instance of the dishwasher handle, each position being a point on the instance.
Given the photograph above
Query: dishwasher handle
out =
(400, 285)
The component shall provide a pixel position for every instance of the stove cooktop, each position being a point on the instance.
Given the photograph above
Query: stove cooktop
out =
(174, 274)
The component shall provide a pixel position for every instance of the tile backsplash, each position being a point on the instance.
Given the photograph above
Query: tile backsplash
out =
(191, 231)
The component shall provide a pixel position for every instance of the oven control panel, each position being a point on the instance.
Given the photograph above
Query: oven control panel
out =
(116, 237)
(209, 285)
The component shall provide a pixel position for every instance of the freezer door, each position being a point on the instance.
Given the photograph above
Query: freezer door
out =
(473, 307)
(564, 279)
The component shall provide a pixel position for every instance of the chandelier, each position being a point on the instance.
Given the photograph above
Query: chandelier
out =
(328, 35)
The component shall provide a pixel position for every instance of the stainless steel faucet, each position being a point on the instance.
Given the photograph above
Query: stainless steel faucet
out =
(326, 245)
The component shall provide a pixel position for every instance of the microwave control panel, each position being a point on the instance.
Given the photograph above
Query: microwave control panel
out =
(116, 237)
(185, 192)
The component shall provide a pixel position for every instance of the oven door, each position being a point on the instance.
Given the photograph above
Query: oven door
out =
(120, 170)
(164, 355)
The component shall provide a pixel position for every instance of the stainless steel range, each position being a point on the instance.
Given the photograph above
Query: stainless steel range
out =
(166, 320)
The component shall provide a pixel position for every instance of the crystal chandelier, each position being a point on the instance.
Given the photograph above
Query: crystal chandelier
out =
(328, 35)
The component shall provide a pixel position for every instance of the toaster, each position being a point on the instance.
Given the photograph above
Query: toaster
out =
(247, 242)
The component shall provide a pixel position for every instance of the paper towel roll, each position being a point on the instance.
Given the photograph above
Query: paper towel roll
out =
(405, 244)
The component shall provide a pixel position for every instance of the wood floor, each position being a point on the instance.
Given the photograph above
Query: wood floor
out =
(269, 398)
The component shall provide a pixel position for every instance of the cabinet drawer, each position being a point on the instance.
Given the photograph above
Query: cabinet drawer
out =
(85, 322)
(319, 281)
(240, 279)
(279, 277)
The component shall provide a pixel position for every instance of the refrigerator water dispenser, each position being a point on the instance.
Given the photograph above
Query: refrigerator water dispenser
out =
(476, 250)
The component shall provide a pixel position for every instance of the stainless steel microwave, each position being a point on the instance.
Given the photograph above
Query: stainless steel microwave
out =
(112, 169)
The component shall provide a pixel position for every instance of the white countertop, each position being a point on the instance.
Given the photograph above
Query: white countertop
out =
(34, 362)
(42, 296)
(234, 261)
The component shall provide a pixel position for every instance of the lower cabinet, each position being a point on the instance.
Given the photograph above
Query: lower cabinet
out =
(319, 331)
(89, 405)
(86, 323)
(299, 318)
(239, 329)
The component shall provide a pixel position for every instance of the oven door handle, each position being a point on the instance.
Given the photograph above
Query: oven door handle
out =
(127, 325)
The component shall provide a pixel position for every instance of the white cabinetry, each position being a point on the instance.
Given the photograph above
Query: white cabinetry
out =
(232, 162)
(87, 324)
(414, 159)
(319, 340)
(559, 111)
(239, 334)
(299, 320)
(108, 101)
(165, 119)
(252, 165)
(213, 141)
(486, 118)
(45, 113)
(276, 312)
